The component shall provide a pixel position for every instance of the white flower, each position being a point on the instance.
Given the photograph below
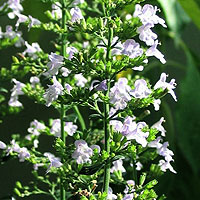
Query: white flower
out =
(138, 166)
(110, 195)
(82, 153)
(153, 51)
(2, 145)
(71, 51)
(141, 90)
(53, 92)
(139, 68)
(54, 64)
(76, 14)
(147, 14)
(156, 104)
(70, 128)
(164, 85)
(159, 127)
(37, 165)
(16, 91)
(155, 143)
(94, 146)
(80, 80)
(117, 166)
(32, 50)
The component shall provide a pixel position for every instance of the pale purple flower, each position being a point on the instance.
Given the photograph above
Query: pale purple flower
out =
(130, 186)
(13, 148)
(23, 154)
(110, 195)
(34, 80)
(56, 61)
(94, 146)
(82, 153)
(132, 48)
(76, 14)
(138, 134)
(117, 125)
(164, 165)
(117, 166)
(68, 87)
(37, 165)
(54, 161)
(53, 92)
(80, 80)
(16, 7)
(159, 127)
(33, 22)
(165, 152)
(155, 143)
(32, 49)
(36, 127)
(2, 145)
(128, 197)
(100, 86)
(119, 94)
(141, 90)
(65, 72)
(153, 51)
(164, 85)
(146, 34)
(71, 51)
(147, 14)
(21, 19)
(56, 10)
(76, 2)
(70, 128)
(12, 34)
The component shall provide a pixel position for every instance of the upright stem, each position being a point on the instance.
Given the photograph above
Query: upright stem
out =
(106, 115)
(80, 118)
(62, 111)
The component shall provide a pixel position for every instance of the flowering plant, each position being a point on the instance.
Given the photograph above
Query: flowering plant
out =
(94, 43)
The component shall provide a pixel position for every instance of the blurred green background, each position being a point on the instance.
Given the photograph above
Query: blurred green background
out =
(181, 47)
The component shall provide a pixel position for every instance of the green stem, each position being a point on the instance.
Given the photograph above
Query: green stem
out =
(107, 144)
(62, 110)
(80, 118)
(106, 116)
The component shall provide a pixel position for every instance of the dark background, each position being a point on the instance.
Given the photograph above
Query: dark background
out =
(181, 47)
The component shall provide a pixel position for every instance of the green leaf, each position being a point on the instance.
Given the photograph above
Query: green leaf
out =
(192, 8)
(187, 115)
(174, 14)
